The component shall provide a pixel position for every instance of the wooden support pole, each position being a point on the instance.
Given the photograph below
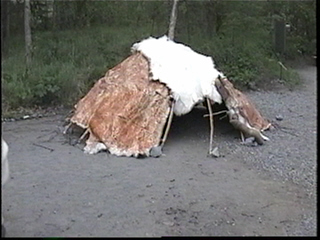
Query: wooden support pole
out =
(66, 128)
(211, 124)
(168, 125)
(242, 137)
(216, 113)
(83, 135)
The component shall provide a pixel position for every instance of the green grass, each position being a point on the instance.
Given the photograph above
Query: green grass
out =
(67, 63)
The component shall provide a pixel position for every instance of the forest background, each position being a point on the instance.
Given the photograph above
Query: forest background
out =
(52, 52)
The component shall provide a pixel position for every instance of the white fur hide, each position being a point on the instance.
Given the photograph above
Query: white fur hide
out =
(190, 75)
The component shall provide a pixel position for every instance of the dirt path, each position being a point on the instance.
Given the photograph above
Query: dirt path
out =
(57, 190)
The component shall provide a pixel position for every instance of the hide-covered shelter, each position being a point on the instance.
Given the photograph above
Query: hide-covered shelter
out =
(129, 111)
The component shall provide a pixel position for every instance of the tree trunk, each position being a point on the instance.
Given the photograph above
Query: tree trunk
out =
(210, 17)
(4, 27)
(173, 19)
(50, 9)
(48, 15)
(27, 32)
(81, 13)
(56, 18)
(188, 21)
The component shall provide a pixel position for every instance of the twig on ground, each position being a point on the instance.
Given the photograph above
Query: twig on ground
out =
(284, 129)
(38, 145)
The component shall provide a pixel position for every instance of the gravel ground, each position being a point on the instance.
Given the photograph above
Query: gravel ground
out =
(56, 190)
(293, 149)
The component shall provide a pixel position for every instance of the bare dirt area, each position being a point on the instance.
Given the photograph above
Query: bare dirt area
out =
(270, 190)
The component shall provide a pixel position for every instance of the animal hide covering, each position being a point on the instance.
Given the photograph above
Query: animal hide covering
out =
(125, 112)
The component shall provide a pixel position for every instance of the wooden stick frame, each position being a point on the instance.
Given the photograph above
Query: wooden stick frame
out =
(211, 124)
(168, 125)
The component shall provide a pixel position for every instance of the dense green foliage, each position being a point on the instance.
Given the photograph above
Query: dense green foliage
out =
(76, 42)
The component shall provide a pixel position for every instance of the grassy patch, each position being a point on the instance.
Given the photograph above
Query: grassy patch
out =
(67, 63)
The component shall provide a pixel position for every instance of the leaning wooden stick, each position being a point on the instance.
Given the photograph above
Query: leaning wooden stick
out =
(83, 135)
(242, 136)
(216, 113)
(211, 124)
(66, 128)
(168, 125)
